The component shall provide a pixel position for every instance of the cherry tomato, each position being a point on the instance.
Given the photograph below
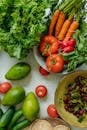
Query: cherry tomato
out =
(4, 87)
(48, 45)
(52, 112)
(41, 91)
(55, 63)
(43, 71)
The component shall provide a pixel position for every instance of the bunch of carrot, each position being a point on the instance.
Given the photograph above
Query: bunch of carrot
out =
(61, 26)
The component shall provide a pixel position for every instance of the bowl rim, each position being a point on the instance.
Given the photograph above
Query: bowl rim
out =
(40, 60)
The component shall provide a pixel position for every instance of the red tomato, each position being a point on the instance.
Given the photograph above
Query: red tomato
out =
(43, 71)
(48, 45)
(55, 63)
(4, 87)
(52, 112)
(41, 91)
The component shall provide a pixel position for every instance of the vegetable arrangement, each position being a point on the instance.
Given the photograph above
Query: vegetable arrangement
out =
(20, 30)
(18, 118)
(21, 25)
(68, 17)
(13, 118)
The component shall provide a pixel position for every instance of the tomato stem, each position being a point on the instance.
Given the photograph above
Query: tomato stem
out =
(47, 45)
(53, 61)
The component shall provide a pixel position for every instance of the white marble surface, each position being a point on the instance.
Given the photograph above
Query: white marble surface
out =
(32, 80)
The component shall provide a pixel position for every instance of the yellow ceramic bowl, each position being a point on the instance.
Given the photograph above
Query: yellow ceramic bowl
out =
(58, 99)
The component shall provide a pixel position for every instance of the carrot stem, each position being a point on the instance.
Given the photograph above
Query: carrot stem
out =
(69, 4)
(65, 3)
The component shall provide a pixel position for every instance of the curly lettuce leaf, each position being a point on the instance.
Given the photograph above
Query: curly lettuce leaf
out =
(21, 25)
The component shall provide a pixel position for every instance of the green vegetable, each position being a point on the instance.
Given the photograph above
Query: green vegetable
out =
(6, 117)
(15, 118)
(20, 125)
(2, 128)
(1, 113)
(81, 118)
(21, 25)
(18, 71)
(14, 96)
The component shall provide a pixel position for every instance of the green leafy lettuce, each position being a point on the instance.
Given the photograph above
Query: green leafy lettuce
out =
(21, 24)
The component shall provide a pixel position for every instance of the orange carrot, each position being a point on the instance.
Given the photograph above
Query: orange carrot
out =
(64, 29)
(71, 30)
(53, 21)
(59, 24)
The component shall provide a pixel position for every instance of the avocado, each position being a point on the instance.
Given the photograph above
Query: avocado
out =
(18, 71)
(14, 96)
